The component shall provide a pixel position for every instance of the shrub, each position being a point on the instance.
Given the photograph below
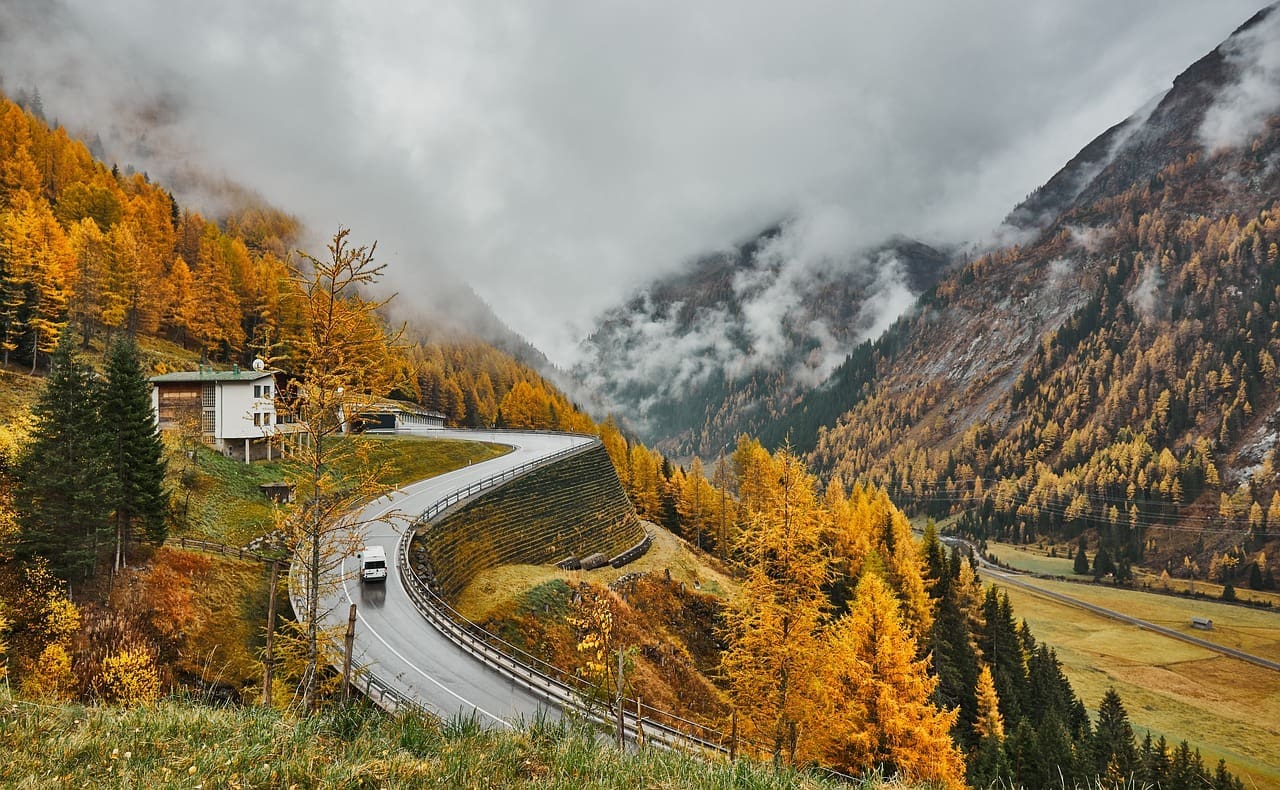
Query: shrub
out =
(130, 677)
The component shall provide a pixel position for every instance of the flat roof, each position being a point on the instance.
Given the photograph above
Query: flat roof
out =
(213, 375)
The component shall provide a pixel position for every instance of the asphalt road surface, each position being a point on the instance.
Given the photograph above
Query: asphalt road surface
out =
(392, 639)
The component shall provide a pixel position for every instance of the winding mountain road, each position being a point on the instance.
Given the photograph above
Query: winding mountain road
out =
(393, 641)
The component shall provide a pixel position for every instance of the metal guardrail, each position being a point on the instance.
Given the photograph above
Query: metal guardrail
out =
(367, 681)
(641, 723)
(561, 688)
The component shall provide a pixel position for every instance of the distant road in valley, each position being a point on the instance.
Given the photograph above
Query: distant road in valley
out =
(1018, 580)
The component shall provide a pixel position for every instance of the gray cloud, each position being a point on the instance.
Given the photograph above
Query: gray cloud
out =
(1240, 113)
(558, 155)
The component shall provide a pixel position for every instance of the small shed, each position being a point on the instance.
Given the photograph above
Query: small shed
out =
(280, 493)
(1203, 623)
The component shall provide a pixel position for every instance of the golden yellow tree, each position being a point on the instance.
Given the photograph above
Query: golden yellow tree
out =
(773, 660)
(343, 363)
(696, 504)
(881, 716)
(990, 723)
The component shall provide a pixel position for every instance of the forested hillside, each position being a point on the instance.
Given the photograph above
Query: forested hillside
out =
(1116, 374)
(725, 348)
(86, 247)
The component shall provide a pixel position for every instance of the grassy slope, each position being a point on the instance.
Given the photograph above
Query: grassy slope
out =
(498, 588)
(184, 745)
(1034, 558)
(226, 505)
(1223, 706)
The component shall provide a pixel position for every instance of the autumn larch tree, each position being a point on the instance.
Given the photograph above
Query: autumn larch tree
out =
(773, 657)
(344, 361)
(882, 715)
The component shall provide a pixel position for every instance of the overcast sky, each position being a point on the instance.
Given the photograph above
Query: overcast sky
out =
(557, 155)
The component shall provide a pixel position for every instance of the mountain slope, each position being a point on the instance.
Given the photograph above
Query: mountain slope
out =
(1118, 371)
(724, 347)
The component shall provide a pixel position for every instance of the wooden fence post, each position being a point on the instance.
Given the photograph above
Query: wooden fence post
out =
(733, 736)
(269, 660)
(639, 726)
(346, 659)
(622, 737)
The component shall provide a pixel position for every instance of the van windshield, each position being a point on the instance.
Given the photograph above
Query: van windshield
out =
(375, 565)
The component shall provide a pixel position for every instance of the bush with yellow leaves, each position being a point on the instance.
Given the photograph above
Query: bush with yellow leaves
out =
(49, 677)
(130, 677)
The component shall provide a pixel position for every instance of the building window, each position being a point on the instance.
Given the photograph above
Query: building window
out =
(208, 421)
(257, 390)
(257, 419)
(208, 395)
(266, 390)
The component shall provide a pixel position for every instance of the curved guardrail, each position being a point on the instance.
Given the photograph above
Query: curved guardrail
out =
(561, 688)
(374, 688)
(641, 723)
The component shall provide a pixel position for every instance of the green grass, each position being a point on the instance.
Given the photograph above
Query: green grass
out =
(180, 744)
(1224, 707)
(226, 504)
(1255, 631)
(1034, 560)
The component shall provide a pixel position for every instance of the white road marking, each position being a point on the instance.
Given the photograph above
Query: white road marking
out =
(412, 665)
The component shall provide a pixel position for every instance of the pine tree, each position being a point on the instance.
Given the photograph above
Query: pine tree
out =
(1153, 761)
(62, 492)
(135, 457)
(1081, 565)
(1112, 744)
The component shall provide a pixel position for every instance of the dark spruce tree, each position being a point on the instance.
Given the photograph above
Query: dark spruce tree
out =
(135, 457)
(1111, 748)
(1081, 565)
(62, 492)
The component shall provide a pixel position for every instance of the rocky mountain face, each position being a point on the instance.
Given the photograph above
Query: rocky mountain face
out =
(728, 345)
(1114, 373)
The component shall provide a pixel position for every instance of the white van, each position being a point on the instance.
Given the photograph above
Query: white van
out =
(373, 564)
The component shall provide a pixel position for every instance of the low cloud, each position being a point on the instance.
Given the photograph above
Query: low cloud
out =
(1145, 296)
(557, 158)
(799, 304)
(1240, 112)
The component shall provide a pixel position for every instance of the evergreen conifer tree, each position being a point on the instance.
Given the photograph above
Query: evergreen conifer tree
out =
(1153, 761)
(62, 489)
(1112, 741)
(1081, 565)
(135, 457)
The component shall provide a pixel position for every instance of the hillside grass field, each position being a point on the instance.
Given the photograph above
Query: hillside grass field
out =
(1035, 558)
(497, 589)
(1223, 706)
(183, 744)
(227, 506)
(1255, 631)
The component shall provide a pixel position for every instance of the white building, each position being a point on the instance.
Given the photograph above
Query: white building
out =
(235, 409)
